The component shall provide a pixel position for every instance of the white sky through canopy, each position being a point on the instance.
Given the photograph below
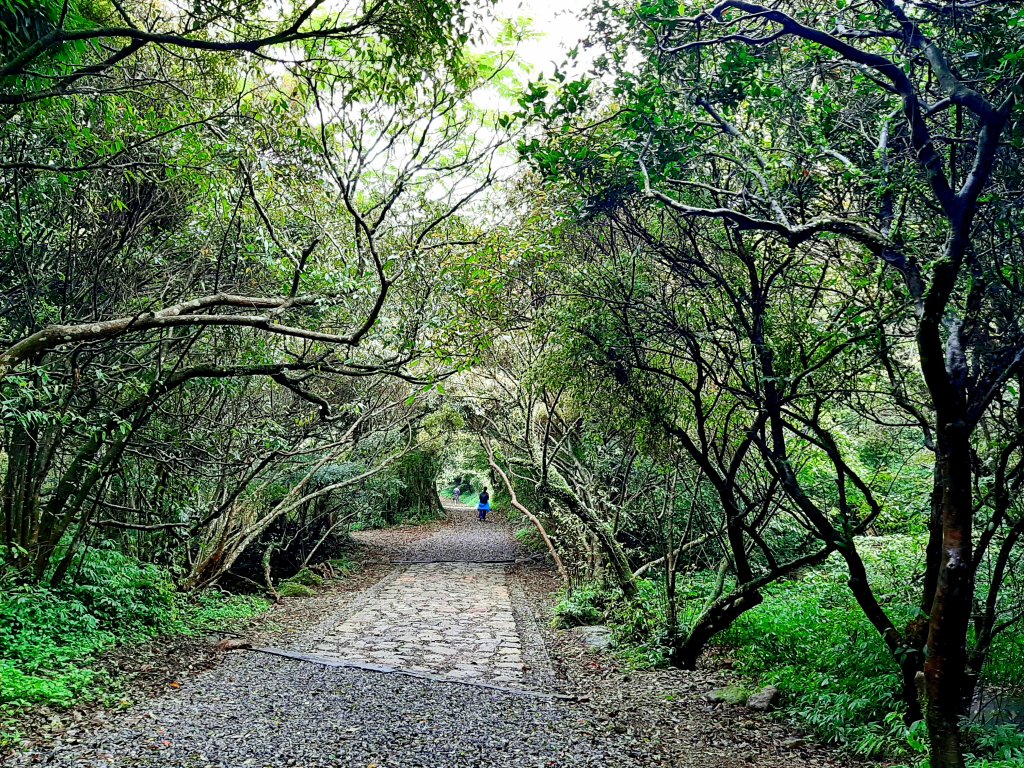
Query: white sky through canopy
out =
(559, 25)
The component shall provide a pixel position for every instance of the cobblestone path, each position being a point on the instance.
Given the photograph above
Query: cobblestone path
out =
(453, 618)
(448, 618)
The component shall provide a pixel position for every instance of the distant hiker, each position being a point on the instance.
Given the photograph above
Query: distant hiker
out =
(456, 494)
(485, 505)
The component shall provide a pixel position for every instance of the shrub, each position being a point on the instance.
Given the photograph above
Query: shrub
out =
(640, 626)
(50, 638)
(307, 578)
(583, 606)
(837, 677)
(294, 589)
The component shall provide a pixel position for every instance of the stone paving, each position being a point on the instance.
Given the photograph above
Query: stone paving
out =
(453, 618)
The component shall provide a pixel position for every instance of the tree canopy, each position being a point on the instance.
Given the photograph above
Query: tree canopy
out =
(734, 304)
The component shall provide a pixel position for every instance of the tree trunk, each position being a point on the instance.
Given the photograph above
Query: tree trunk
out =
(946, 660)
(609, 546)
(717, 618)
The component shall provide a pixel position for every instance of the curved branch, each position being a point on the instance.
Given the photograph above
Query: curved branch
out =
(183, 314)
(793, 234)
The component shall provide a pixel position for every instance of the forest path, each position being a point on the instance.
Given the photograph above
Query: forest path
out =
(450, 609)
(385, 678)
(261, 710)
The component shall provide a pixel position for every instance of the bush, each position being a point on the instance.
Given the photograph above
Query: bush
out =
(583, 606)
(640, 626)
(294, 589)
(307, 578)
(837, 677)
(1000, 746)
(50, 638)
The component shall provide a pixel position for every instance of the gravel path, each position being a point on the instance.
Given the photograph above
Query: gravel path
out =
(465, 539)
(258, 710)
(462, 619)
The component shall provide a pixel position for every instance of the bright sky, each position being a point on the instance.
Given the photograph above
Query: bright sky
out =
(559, 25)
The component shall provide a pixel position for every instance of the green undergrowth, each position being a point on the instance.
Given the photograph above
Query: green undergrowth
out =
(376, 520)
(306, 578)
(838, 680)
(639, 626)
(305, 582)
(811, 640)
(343, 566)
(471, 498)
(583, 606)
(294, 589)
(530, 539)
(51, 638)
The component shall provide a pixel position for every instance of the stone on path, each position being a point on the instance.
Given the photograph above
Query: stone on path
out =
(596, 638)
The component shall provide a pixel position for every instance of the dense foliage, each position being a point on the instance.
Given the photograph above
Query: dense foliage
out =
(51, 639)
(738, 345)
(216, 267)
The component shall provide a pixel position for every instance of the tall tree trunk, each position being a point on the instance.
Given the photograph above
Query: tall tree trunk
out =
(944, 366)
(946, 660)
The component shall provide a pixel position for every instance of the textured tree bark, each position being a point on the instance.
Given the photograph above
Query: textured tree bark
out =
(946, 661)
(514, 499)
(609, 546)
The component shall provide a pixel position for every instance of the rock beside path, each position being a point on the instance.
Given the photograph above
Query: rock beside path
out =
(764, 700)
(596, 638)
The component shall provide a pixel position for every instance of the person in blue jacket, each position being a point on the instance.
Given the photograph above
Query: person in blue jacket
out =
(484, 506)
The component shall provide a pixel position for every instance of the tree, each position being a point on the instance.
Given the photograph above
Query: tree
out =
(182, 222)
(893, 130)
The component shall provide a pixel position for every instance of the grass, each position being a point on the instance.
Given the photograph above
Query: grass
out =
(306, 578)
(530, 538)
(810, 639)
(50, 639)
